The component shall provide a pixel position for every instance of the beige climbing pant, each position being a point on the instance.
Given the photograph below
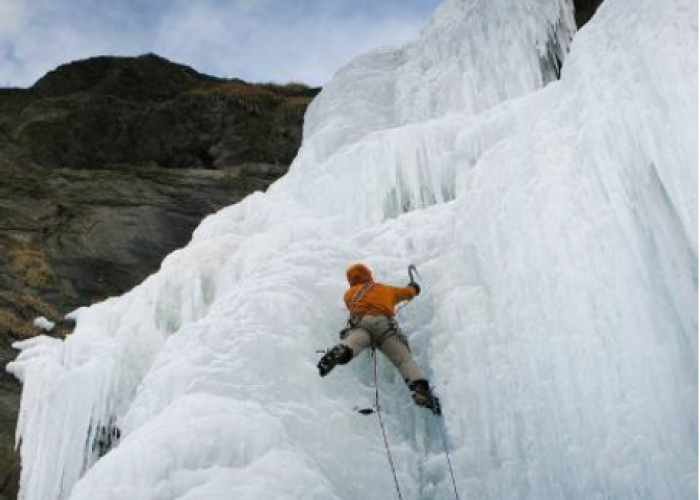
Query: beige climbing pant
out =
(383, 333)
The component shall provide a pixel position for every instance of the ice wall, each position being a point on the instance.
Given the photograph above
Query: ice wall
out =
(556, 233)
(469, 57)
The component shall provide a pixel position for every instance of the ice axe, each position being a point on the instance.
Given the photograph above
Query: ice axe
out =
(411, 270)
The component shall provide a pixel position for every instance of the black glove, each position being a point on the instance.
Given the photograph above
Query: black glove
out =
(415, 286)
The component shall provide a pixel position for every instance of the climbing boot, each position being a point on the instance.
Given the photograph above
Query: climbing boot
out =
(423, 396)
(339, 355)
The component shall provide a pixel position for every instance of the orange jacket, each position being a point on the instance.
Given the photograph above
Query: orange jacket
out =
(379, 299)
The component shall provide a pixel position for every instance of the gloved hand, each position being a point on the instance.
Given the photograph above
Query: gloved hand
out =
(415, 286)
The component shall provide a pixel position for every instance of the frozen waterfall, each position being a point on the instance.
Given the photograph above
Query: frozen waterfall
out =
(554, 223)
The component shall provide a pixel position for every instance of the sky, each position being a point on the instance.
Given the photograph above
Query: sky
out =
(256, 40)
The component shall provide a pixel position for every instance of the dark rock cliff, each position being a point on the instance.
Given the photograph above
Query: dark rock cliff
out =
(584, 10)
(106, 166)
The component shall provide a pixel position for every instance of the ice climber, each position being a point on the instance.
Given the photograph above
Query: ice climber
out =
(372, 323)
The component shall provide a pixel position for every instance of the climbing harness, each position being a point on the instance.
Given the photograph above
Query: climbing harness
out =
(392, 330)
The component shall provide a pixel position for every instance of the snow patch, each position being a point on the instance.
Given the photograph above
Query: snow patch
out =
(44, 324)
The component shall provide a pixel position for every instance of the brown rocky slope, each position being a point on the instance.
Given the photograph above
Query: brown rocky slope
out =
(106, 166)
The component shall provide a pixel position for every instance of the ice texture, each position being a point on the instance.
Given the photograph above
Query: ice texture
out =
(554, 224)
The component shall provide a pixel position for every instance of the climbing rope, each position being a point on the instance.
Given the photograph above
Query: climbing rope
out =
(377, 409)
(441, 428)
(368, 411)
(373, 354)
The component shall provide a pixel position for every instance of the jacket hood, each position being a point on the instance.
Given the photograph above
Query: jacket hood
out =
(358, 274)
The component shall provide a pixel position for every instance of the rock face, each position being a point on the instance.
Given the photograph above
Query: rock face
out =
(585, 9)
(106, 166)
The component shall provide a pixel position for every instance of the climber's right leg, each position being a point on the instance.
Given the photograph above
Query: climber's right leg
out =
(353, 344)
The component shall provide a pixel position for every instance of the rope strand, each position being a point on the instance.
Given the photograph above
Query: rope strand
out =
(441, 428)
(381, 423)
